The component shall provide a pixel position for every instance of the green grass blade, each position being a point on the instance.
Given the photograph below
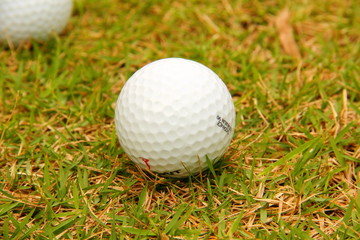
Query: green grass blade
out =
(291, 154)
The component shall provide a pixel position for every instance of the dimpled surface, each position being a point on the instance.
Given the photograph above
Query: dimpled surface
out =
(22, 20)
(172, 114)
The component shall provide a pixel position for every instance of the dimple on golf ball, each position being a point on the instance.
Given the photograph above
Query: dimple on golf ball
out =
(173, 116)
(22, 20)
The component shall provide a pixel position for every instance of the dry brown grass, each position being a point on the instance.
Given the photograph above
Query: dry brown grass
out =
(292, 170)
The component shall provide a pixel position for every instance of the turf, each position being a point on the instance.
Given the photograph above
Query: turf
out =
(291, 172)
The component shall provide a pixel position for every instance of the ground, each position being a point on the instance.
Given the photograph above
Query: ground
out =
(291, 172)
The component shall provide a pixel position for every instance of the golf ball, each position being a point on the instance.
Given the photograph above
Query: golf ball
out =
(173, 116)
(22, 20)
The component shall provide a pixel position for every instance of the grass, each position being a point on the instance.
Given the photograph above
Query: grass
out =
(292, 171)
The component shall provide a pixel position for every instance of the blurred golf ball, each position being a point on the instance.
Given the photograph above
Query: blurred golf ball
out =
(174, 114)
(22, 20)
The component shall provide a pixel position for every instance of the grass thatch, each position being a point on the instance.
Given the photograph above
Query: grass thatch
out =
(292, 171)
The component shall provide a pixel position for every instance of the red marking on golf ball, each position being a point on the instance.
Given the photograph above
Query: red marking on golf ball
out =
(146, 161)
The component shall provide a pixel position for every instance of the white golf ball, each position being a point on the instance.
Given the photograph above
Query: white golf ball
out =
(22, 20)
(174, 114)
